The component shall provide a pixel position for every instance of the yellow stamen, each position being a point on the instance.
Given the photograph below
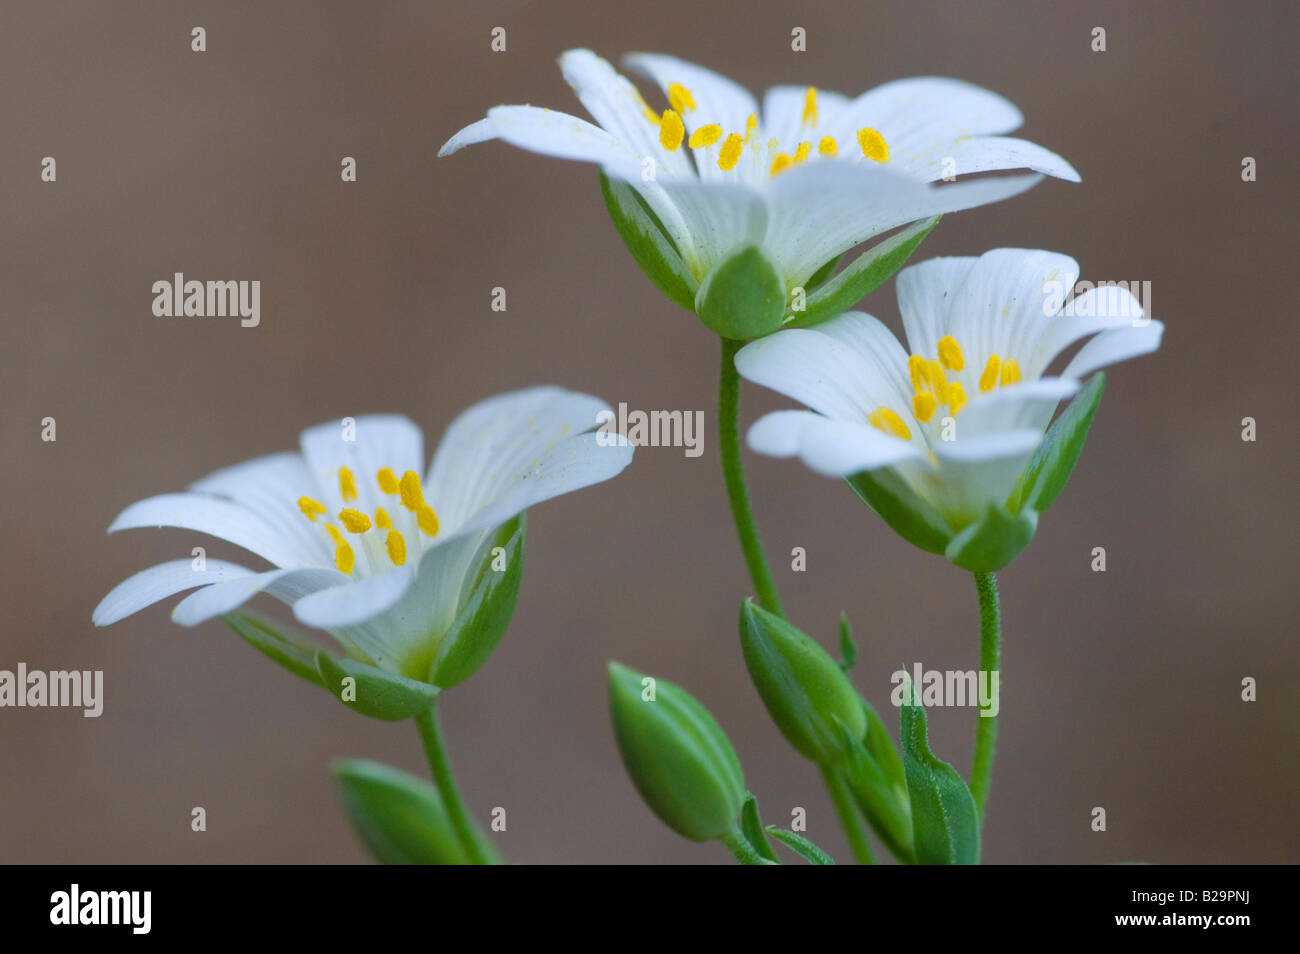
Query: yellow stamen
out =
(705, 136)
(801, 154)
(382, 520)
(1010, 371)
(989, 379)
(412, 495)
(396, 544)
(781, 162)
(956, 398)
(387, 480)
(827, 146)
(680, 98)
(923, 405)
(310, 508)
(333, 531)
(344, 558)
(354, 520)
(347, 484)
(730, 153)
(751, 123)
(950, 355)
(919, 370)
(810, 106)
(427, 519)
(939, 381)
(873, 145)
(671, 131)
(651, 115)
(887, 420)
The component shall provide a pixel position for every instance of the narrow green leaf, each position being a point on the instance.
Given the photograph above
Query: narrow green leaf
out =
(945, 825)
(400, 818)
(899, 506)
(743, 297)
(485, 615)
(751, 825)
(848, 648)
(646, 240)
(1049, 469)
(269, 638)
(864, 275)
(881, 797)
(993, 541)
(372, 691)
(801, 846)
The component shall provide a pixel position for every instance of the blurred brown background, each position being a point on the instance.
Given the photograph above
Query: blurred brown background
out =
(1120, 689)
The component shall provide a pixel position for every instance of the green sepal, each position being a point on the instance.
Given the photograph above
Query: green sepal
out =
(801, 846)
(889, 495)
(269, 638)
(945, 824)
(1047, 472)
(399, 817)
(864, 275)
(803, 688)
(994, 540)
(648, 243)
(848, 648)
(677, 755)
(751, 826)
(485, 615)
(819, 277)
(378, 694)
(879, 787)
(743, 297)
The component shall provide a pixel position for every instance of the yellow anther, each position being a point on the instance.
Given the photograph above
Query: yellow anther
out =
(427, 519)
(387, 480)
(950, 355)
(1010, 371)
(919, 370)
(344, 558)
(923, 405)
(705, 136)
(938, 381)
(412, 495)
(651, 115)
(751, 123)
(354, 520)
(873, 145)
(781, 162)
(671, 131)
(347, 484)
(887, 420)
(989, 379)
(333, 531)
(730, 152)
(810, 107)
(956, 398)
(827, 146)
(382, 520)
(310, 508)
(396, 545)
(680, 98)
(801, 154)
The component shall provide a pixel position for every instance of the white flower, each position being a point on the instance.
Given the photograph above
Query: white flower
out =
(806, 179)
(363, 547)
(959, 413)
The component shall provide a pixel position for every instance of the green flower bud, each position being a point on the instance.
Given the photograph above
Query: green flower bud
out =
(804, 689)
(678, 756)
(743, 297)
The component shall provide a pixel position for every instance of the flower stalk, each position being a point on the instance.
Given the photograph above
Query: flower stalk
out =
(986, 728)
(471, 839)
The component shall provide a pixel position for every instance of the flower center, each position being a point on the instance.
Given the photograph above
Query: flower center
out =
(672, 133)
(382, 542)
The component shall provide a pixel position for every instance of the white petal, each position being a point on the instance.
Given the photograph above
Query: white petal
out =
(925, 295)
(818, 372)
(511, 451)
(831, 448)
(878, 350)
(721, 218)
(159, 582)
(1098, 309)
(717, 99)
(480, 131)
(978, 470)
(783, 108)
(219, 518)
(379, 440)
(1028, 405)
(553, 133)
(987, 154)
(353, 603)
(1110, 347)
(285, 585)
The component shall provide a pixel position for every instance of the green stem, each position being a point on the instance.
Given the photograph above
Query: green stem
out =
(436, 752)
(733, 473)
(848, 815)
(986, 729)
(739, 846)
